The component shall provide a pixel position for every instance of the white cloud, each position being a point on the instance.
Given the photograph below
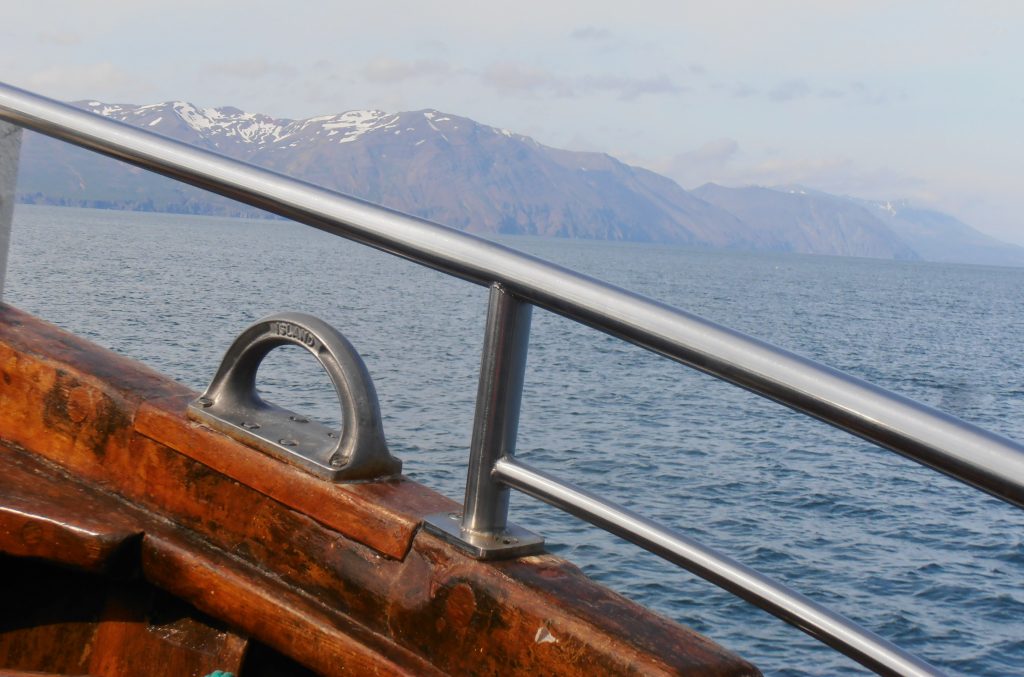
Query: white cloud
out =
(82, 81)
(789, 90)
(388, 71)
(629, 88)
(514, 77)
(510, 76)
(591, 33)
(59, 38)
(249, 69)
(709, 162)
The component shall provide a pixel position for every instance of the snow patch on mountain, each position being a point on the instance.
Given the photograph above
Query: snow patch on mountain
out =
(244, 135)
(193, 117)
(352, 124)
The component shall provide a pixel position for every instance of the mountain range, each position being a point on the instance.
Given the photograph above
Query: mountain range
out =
(486, 180)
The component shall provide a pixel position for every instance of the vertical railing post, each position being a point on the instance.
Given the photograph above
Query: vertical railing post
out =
(498, 397)
(10, 146)
(483, 527)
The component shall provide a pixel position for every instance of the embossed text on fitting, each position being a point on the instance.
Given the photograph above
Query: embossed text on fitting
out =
(294, 331)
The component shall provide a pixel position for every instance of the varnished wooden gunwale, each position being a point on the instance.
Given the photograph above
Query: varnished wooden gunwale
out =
(339, 578)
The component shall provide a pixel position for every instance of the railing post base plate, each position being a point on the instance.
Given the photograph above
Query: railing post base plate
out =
(509, 543)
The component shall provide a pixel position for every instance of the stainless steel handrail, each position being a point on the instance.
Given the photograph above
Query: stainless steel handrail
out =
(959, 449)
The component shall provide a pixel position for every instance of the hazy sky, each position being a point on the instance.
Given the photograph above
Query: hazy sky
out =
(875, 99)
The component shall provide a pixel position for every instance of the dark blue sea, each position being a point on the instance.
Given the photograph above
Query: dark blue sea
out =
(930, 564)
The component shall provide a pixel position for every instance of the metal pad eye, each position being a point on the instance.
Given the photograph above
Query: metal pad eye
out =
(232, 406)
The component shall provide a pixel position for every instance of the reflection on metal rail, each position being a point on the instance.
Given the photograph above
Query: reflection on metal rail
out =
(518, 281)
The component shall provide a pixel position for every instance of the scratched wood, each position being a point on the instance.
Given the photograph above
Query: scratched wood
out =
(338, 578)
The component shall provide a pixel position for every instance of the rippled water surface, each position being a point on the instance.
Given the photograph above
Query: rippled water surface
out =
(924, 561)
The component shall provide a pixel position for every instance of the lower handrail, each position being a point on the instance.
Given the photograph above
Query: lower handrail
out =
(840, 633)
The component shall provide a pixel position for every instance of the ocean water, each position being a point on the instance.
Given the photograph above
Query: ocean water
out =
(932, 565)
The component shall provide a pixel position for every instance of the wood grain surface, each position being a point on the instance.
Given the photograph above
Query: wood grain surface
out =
(109, 491)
